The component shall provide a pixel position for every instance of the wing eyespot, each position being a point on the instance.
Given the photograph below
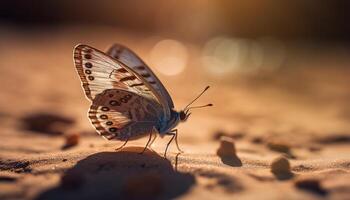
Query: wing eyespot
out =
(109, 123)
(104, 117)
(113, 129)
(114, 103)
(105, 108)
(88, 65)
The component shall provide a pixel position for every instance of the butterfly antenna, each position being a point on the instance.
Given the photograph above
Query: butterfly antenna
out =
(193, 107)
(206, 88)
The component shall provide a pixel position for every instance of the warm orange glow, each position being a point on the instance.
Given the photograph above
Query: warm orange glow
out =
(169, 57)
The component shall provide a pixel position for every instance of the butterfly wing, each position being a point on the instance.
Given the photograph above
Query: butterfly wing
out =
(129, 58)
(120, 114)
(99, 72)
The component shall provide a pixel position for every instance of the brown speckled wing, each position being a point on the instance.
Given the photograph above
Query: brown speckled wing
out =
(129, 58)
(120, 114)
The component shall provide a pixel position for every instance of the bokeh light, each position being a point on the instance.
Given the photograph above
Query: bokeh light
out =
(169, 57)
(224, 56)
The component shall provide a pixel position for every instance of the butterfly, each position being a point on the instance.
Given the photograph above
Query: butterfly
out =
(128, 101)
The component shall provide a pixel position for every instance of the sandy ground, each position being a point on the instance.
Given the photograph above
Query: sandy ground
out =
(287, 132)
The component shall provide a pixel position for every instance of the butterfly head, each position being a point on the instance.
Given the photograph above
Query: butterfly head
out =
(182, 115)
(185, 113)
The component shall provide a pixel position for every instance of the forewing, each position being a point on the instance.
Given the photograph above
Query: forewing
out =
(99, 72)
(128, 57)
(120, 114)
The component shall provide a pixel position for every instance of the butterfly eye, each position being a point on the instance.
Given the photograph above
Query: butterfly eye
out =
(182, 115)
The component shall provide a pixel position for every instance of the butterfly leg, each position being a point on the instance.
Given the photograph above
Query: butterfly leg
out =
(154, 138)
(174, 135)
(149, 140)
(167, 146)
(177, 144)
(123, 145)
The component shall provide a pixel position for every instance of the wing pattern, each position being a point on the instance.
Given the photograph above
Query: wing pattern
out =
(129, 58)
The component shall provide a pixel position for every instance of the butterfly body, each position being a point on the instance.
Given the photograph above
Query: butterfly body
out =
(168, 125)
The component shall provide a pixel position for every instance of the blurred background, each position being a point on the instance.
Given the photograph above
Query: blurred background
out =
(195, 20)
(277, 65)
(280, 65)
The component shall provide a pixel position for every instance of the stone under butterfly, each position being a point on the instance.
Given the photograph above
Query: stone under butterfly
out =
(128, 100)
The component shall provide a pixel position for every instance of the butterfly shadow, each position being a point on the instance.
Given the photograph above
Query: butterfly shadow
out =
(231, 160)
(121, 175)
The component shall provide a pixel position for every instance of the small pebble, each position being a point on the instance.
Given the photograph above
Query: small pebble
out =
(71, 140)
(227, 152)
(227, 147)
(280, 167)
